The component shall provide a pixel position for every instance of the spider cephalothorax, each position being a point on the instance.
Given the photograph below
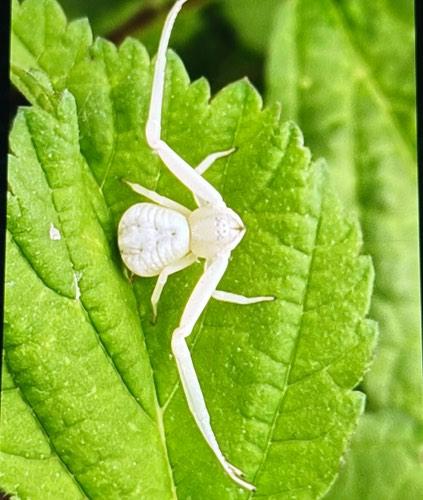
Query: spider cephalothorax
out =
(214, 230)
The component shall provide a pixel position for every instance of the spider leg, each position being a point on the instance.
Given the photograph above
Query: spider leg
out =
(210, 159)
(158, 198)
(205, 165)
(195, 306)
(239, 299)
(177, 165)
(182, 263)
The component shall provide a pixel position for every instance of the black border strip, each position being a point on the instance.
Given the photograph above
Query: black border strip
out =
(5, 13)
(418, 19)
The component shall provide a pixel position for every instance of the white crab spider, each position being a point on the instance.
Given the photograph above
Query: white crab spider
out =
(164, 237)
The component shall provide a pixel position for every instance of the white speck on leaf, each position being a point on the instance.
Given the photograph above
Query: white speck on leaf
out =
(76, 278)
(54, 233)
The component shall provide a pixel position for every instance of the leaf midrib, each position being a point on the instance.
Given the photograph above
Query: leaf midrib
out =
(291, 363)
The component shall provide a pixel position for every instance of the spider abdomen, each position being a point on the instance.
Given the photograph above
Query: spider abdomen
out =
(151, 237)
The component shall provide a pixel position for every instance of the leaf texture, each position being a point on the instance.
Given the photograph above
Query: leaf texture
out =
(78, 359)
(28, 462)
(277, 377)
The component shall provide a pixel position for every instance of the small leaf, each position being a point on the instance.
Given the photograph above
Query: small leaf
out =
(277, 377)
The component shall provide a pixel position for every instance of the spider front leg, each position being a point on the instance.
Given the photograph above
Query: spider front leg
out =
(205, 165)
(198, 300)
(177, 165)
(210, 159)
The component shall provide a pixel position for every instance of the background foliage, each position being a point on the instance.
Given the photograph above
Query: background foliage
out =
(344, 71)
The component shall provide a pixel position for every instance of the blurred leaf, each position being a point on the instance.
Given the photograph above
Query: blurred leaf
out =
(345, 72)
(253, 20)
(385, 460)
(189, 24)
(359, 112)
(277, 377)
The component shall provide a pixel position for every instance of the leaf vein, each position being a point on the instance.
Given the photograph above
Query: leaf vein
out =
(292, 360)
(51, 444)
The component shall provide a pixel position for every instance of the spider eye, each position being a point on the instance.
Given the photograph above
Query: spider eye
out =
(222, 227)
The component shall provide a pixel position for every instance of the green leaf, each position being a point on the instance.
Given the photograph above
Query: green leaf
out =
(385, 460)
(206, 42)
(345, 72)
(277, 377)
